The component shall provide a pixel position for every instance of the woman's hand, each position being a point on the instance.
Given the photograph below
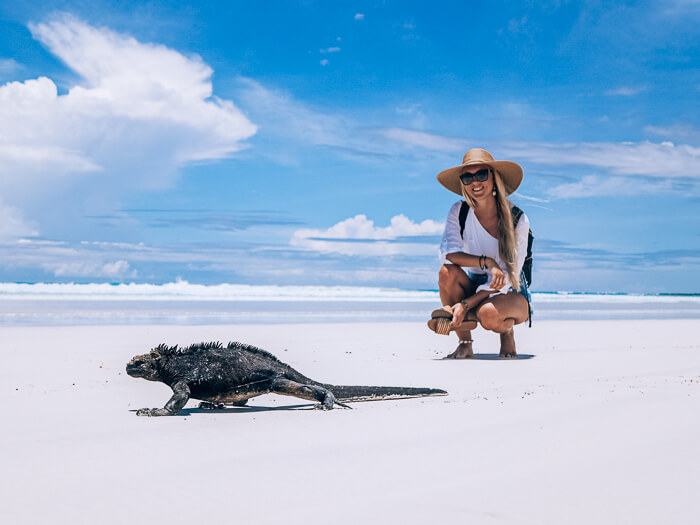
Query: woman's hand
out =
(458, 314)
(499, 278)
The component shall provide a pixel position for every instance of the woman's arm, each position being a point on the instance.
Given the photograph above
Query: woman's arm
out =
(459, 310)
(476, 261)
(464, 259)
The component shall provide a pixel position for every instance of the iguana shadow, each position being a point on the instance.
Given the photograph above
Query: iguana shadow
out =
(241, 410)
(245, 409)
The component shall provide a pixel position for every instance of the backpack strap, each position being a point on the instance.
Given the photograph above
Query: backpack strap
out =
(463, 212)
(517, 213)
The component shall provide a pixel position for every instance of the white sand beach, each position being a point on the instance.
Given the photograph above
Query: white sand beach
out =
(596, 423)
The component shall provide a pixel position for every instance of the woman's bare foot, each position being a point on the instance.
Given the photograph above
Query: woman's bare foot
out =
(508, 345)
(463, 351)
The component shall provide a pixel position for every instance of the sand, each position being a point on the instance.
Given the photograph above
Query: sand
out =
(598, 423)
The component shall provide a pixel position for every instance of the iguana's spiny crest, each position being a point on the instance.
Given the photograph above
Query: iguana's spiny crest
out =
(199, 348)
(148, 366)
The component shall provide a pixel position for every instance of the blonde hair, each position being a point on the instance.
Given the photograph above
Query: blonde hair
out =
(507, 245)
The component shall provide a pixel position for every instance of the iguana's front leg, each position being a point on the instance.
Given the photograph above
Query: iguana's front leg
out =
(181, 394)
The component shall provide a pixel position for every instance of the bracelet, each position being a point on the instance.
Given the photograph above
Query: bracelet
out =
(464, 303)
(482, 262)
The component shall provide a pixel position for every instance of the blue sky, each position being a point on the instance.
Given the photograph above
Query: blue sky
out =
(298, 142)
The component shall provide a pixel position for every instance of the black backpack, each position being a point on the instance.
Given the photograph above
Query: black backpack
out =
(517, 212)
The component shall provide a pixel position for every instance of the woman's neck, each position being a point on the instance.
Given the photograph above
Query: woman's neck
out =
(486, 209)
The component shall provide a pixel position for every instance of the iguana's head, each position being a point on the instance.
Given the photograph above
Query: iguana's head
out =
(145, 366)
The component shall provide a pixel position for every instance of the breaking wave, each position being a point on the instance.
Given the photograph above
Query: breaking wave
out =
(184, 291)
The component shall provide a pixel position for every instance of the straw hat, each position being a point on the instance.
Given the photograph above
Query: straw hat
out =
(511, 173)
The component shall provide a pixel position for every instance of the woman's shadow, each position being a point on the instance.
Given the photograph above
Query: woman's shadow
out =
(489, 357)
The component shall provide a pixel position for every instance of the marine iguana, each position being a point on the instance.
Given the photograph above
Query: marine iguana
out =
(231, 375)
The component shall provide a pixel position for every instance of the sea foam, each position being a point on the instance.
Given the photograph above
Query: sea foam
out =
(185, 291)
(181, 302)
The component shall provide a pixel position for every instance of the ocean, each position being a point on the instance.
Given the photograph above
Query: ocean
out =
(52, 304)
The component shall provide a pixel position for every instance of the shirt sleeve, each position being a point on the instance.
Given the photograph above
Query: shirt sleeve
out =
(452, 241)
(521, 236)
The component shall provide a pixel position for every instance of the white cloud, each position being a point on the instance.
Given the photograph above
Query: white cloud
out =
(13, 225)
(9, 66)
(114, 269)
(295, 121)
(139, 82)
(422, 139)
(680, 8)
(367, 239)
(359, 16)
(626, 91)
(64, 259)
(293, 124)
(324, 61)
(137, 108)
(281, 115)
(684, 132)
(329, 50)
(531, 198)
(367, 249)
(664, 159)
(598, 186)
(415, 118)
(40, 242)
(517, 26)
(360, 227)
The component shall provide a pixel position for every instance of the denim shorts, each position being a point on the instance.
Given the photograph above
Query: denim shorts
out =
(481, 278)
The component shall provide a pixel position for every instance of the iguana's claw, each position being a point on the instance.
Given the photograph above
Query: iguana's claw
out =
(332, 400)
(329, 403)
(150, 412)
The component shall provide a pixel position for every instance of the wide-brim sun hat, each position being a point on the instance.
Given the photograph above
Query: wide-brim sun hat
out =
(511, 173)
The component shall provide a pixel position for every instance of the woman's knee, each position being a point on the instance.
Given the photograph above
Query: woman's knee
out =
(489, 317)
(450, 275)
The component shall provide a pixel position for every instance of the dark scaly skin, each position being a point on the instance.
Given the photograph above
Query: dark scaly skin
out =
(220, 376)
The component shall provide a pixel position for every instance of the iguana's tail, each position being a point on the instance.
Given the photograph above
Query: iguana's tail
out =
(377, 393)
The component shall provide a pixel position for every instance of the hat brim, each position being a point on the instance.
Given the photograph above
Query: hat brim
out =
(511, 173)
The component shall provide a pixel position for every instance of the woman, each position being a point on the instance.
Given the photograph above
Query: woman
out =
(481, 277)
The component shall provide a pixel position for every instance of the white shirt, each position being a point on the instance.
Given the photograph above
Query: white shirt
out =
(477, 241)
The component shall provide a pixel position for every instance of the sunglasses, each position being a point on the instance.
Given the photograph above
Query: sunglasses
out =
(481, 176)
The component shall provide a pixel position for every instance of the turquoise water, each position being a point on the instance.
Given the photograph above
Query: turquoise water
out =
(44, 304)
